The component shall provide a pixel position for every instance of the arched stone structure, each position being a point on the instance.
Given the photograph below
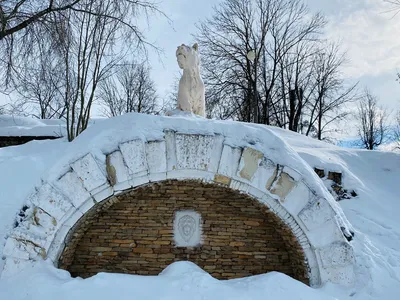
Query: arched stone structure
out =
(133, 232)
(250, 168)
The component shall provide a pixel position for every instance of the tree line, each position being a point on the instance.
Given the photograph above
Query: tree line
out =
(263, 61)
(61, 56)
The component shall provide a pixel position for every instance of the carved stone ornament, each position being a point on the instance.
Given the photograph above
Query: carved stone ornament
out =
(187, 228)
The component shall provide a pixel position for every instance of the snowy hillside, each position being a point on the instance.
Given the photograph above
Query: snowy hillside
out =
(374, 176)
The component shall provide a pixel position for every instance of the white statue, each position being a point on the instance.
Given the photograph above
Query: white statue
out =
(191, 86)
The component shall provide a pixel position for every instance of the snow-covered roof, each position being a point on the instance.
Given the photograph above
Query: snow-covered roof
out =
(25, 126)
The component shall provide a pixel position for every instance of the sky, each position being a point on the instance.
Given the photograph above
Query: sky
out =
(365, 29)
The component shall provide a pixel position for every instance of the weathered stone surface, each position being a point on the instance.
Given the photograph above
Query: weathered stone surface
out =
(89, 172)
(44, 220)
(249, 163)
(58, 243)
(170, 147)
(194, 151)
(22, 249)
(229, 162)
(319, 238)
(72, 187)
(222, 179)
(156, 156)
(157, 160)
(297, 199)
(283, 186)
(265, 174)
(117, 171)
(344, 275)
(135, 157)
(336, 255)
(316, 213)
(51, 201)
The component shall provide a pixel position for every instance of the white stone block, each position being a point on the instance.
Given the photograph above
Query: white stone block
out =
(138, 181)
(316, 213)
(292, 173)
(23, 249)
(157, 177)
(325, 235)
(86, 206)
(297, 198)
(312, 266)
(45, 221)
(336, 254)
(156, 157)
(170, 146)
(240, 186)
(270, 202)
(58, 244)
(216, 153)
(74, 218)
(265, 174)
(283, 186)
(229, 161)
(249, 162)
(193, 151)
(51, 201)
(72, 187)
(135, 157)
(120, 170)
(256, 193)
(89, 172)
(100, 194)
(341, 275)
(190, 174)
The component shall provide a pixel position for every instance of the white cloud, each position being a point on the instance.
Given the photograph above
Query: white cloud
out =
(369, 33)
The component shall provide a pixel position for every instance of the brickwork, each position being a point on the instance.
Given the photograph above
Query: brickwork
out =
(133, 233)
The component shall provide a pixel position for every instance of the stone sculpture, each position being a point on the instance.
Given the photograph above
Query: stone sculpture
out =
(191, 86)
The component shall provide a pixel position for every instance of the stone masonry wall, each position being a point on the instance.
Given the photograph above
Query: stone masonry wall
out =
(133, 233)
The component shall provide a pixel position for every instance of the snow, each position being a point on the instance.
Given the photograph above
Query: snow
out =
(373, 213)
(24, 126)
(179, 281)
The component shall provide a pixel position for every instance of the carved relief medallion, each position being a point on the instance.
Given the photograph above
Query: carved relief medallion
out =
(187, 228)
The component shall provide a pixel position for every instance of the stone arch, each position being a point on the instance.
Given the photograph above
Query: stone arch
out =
(57, 205)
(133, 233)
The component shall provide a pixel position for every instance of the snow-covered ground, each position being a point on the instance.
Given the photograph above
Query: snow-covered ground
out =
(23, 126)
(375, 176)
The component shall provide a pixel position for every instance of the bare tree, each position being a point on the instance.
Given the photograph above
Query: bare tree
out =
(397, 131)
(394, 6)
(85, 40)
(243, 44)
(87, 50)
(130, 90)
(25, 24)
(329, 91)
(372, 118)
(38, 91)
